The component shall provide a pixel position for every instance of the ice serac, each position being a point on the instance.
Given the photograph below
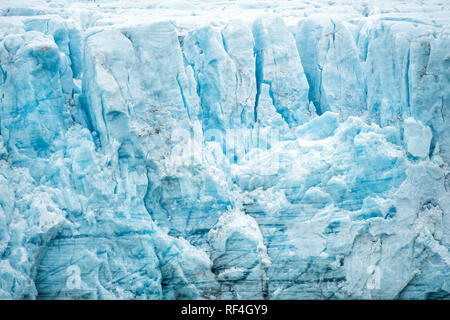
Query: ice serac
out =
(298, 156)
(239, 43)
(156, 103)
(332, 67)
(223, 65)
(417, 138)
(407, 73)
(429, 83)
(33, 121)
(239, 256)
(31, 116)
(278, 65)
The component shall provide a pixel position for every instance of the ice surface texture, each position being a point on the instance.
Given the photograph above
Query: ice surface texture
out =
(150, 152)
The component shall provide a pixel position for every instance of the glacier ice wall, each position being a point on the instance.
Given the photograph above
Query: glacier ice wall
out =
(298, 155)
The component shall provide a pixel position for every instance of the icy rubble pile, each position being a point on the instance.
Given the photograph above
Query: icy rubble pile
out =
(253, 159)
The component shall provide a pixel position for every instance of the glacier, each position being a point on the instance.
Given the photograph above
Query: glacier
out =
(224, 150)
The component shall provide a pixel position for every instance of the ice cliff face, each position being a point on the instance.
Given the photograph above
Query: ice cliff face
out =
(147, 152)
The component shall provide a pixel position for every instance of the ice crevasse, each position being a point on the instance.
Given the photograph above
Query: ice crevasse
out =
(259, 158)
